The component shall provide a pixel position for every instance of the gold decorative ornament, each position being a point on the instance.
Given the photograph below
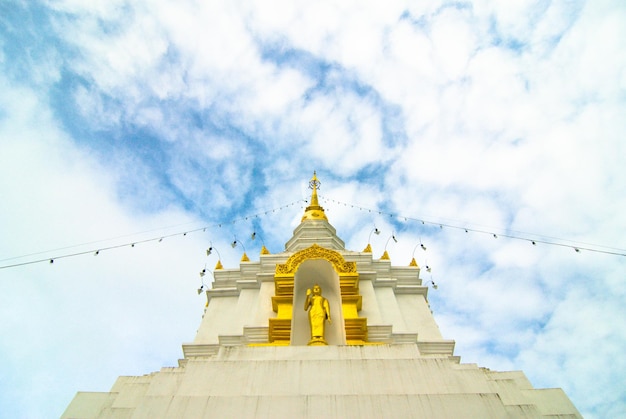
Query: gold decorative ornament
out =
(316, 252)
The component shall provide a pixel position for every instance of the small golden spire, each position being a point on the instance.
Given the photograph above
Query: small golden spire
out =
(245, 258)
(314, 211)
(314, 184)
(368, 248)
(385, 256)
(219, 265)
(264, 250)
(413, 263)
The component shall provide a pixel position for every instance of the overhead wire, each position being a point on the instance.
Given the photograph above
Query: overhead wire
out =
(95, 241)
(96, 251)
(516, 235)
(552, 241)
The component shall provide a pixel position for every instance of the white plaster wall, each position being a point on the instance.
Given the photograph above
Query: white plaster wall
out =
(389, 309)
(264, 310)
(331, 381)
(369, 308)
(220, 318)
(417, 316)
(247, 307)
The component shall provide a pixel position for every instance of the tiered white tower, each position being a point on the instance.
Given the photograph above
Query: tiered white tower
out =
(385, 355)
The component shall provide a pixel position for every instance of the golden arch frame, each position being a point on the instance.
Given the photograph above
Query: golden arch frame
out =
(282, 302)
(315, 252)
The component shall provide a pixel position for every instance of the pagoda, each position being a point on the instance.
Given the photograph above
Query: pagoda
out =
(321, 331)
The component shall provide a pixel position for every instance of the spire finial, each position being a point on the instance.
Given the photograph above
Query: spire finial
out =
(314, 211)
(314, 184)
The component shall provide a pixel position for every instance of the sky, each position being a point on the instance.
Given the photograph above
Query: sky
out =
(151, 130)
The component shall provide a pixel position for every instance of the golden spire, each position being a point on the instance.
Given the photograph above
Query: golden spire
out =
(314, 184)
(314, 211)
(368, 248)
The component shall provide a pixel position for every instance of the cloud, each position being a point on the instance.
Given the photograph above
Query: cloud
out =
(61, 196)
(122, 122)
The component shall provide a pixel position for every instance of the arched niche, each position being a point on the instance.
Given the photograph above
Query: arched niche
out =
(339, 280)
(309, 273)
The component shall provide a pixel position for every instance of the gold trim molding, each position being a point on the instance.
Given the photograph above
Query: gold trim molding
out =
(315, 252)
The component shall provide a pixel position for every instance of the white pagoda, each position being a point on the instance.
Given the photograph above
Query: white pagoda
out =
(381, 354)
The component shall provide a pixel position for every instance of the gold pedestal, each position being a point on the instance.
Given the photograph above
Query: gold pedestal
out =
(317, 342)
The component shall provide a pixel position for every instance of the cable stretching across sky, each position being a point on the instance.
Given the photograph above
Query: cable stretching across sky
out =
(517, 235)
(552, 241)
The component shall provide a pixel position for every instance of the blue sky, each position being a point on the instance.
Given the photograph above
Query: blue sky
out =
(122, 122)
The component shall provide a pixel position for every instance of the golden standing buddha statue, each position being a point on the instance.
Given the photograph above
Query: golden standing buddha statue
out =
(319, 312)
